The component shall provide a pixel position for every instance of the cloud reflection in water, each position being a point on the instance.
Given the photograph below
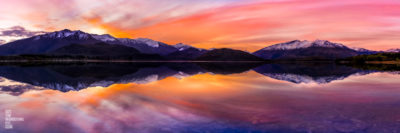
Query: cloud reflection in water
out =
(215, 103)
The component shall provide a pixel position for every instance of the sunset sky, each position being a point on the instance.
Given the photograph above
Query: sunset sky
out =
(240, 24)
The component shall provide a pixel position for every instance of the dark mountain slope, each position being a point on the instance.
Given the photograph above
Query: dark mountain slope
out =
(102, 50)
(45, 43)
(226, 54)
(97, 49)
(186, 54)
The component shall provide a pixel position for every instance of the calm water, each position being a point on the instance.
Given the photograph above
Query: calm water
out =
(200, 97)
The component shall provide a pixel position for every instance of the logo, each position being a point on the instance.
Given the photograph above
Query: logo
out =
(8, 119)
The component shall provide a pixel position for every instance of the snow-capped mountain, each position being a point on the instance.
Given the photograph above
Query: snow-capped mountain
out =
(148, 46)
(149, 42)
(47, 42)
(64, 34)
(397, 50)
(360, 49)
(320, 49)
(181, 47)
(126, 41)
(144, 45)
(51, 41)
(185, 52)
(364, 51)
(104, 37)
(297, 44)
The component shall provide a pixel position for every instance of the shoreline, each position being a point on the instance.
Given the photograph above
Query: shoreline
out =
(193, 61)
(383, 62)
(371, 62)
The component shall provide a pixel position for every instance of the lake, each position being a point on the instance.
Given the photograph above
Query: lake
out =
(197, 97)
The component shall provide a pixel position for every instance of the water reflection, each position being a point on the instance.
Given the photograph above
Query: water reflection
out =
(66, 77)
(190, 97)
(308, 73)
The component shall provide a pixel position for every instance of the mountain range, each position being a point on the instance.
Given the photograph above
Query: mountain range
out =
(67, 42)
(306, 49)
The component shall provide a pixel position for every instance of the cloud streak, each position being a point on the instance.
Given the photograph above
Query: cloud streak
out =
(19, 31)
(15, 33)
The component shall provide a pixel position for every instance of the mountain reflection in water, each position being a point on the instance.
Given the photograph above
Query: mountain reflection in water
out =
(66, 77)
(200, 97)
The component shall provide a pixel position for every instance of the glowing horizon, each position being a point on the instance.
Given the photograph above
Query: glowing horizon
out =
(238, 24)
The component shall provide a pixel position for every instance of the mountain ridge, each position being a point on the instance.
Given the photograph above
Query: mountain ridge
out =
(45, 43)
(296, 49)
(318, 49)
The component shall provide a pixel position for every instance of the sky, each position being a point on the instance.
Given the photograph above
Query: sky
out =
(240, 24)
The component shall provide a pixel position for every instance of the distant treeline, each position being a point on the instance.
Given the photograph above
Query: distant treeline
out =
(373, 57)
(392, 57)
(78, 57)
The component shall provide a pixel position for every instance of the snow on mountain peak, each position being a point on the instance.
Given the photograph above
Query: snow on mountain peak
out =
(149, 42)
(64, 33)
(181, 46)
(397, 50)
(104, 37)
(325, 43)
(297, 44)
(361, 49)
(125, 40)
